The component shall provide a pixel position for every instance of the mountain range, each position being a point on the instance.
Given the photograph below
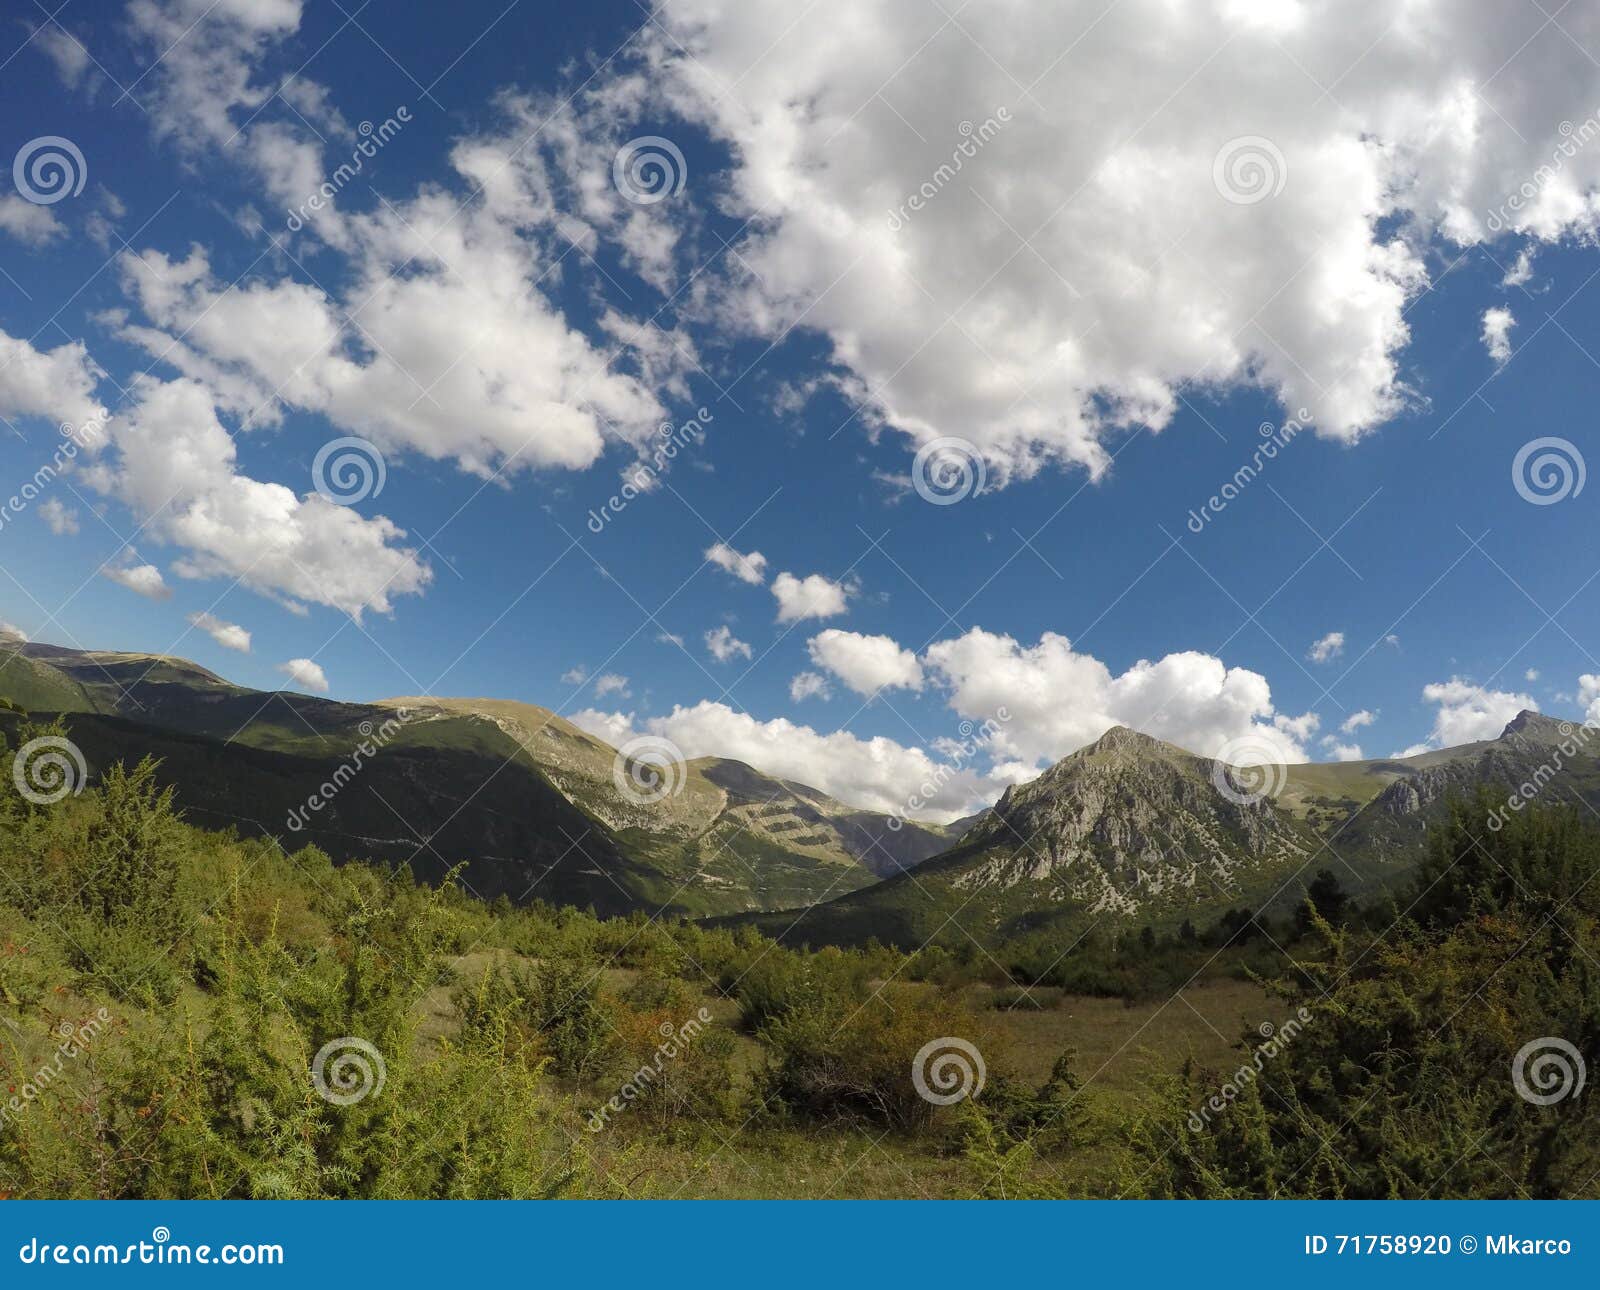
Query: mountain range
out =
(1133, 830)
(529, 802)
(1128, 829)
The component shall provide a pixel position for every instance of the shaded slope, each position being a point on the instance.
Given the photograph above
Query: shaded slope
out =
(732, 837)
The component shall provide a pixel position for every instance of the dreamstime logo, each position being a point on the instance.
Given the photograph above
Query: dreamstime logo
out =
(1248, 170)
(373, 741)
(675, 1041)
(48, 169)
(160, 1250)
(1273, 440)
(1548, 470)
(947, 1069)
(1274, 1040)
(973, 137)
(74, 439)
(670, 440)
(1248, 770)
(1573, 740)
(75, 1039)
(49, 768)
(1573, 140)
(349, 470)
(1557, 1071)
(649, 769)
(958, 754)
(358, 1071)
(649, 169)
(372, 139)
(948, 470)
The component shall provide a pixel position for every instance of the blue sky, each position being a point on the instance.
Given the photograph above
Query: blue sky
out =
(1111, 376)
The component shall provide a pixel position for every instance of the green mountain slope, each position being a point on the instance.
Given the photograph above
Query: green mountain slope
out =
(36, 685)
(525, 798)
(425, 806)
(1127, 832)
(732, 836)
(1126, 827)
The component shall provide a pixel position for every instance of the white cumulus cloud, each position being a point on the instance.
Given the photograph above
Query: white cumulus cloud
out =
(1057, 699)
(1327, 648)
(749, 567)
(462, 357)
(1202, 219)
(59, 518)
(1467, 713)
(306, 674)
(31, 224)
(1589, 696)
(724, 645)
(228, 635)
(176, 468)
(809, 685)
(145, 579)
(1497, 324)
(876, 774)
(57, 384)
(866, 664)
(813, 596)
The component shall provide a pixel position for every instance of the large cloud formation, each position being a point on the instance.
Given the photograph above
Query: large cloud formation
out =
(428, 329)
(176, 469)
(1029, 227)
(877, 774)
(1059, 699)
(167, 457)
(1223, 192)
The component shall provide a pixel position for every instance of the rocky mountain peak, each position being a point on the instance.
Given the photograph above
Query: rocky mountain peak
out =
(1125, 821)
(1123, 739)
(1528, 724)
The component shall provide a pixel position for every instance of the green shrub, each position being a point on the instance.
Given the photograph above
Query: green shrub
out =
(839, 1057)
(782, 980)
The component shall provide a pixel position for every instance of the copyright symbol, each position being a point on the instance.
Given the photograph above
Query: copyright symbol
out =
(1469, 1244)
